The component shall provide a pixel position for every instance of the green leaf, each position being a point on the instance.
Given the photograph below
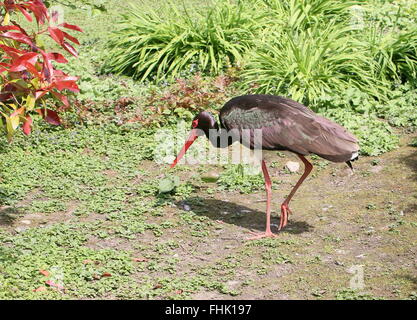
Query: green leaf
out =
(168, 184)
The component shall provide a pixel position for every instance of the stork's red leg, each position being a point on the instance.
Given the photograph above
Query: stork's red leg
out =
(285, 210)
(268, 184)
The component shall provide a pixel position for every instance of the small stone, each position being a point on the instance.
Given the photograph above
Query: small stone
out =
(370, 231)
(20, 229)
(292, 166)
(186, 207)
(327, 207)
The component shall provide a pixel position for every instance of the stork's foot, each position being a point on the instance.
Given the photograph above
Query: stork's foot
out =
(285, 211)
(266, 234)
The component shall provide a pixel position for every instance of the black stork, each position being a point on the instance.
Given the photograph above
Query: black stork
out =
(285, 125)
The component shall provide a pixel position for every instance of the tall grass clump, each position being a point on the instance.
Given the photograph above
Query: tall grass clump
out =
(302, 14)
(394, 51)
(311, 51)
(160, 44)
(305, 65)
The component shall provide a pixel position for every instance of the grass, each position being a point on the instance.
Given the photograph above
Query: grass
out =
(306, 65)
(288, 52)
(99, 227)
(298, 49)
(308, 50)
(81, 215)
(162, 43)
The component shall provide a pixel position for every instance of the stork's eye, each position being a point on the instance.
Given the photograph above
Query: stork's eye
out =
(195, 123)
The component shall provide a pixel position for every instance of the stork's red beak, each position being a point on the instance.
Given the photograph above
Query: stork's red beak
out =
(191, 138)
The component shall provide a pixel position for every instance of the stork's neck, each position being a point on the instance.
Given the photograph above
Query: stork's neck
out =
(217, 135)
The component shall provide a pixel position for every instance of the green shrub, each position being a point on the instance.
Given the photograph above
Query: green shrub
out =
(390, 14)
(351, 98)
(400, 109)
(313, 48)
(162, 43)
(302, 14)
(391, 35)
(395, 53)
(305, 65)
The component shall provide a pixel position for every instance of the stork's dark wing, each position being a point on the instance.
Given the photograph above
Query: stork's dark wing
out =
(287, 124)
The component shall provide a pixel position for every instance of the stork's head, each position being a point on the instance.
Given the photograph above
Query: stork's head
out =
(201, 124)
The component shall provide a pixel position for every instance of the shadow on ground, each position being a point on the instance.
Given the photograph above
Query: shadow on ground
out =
(239, 215)
(411, 161)
(8, 215)
(412, 279)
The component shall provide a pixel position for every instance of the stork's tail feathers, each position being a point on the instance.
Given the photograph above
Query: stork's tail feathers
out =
(349, 163)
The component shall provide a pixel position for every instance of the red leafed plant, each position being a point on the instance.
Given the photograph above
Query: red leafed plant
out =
(28, 73)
